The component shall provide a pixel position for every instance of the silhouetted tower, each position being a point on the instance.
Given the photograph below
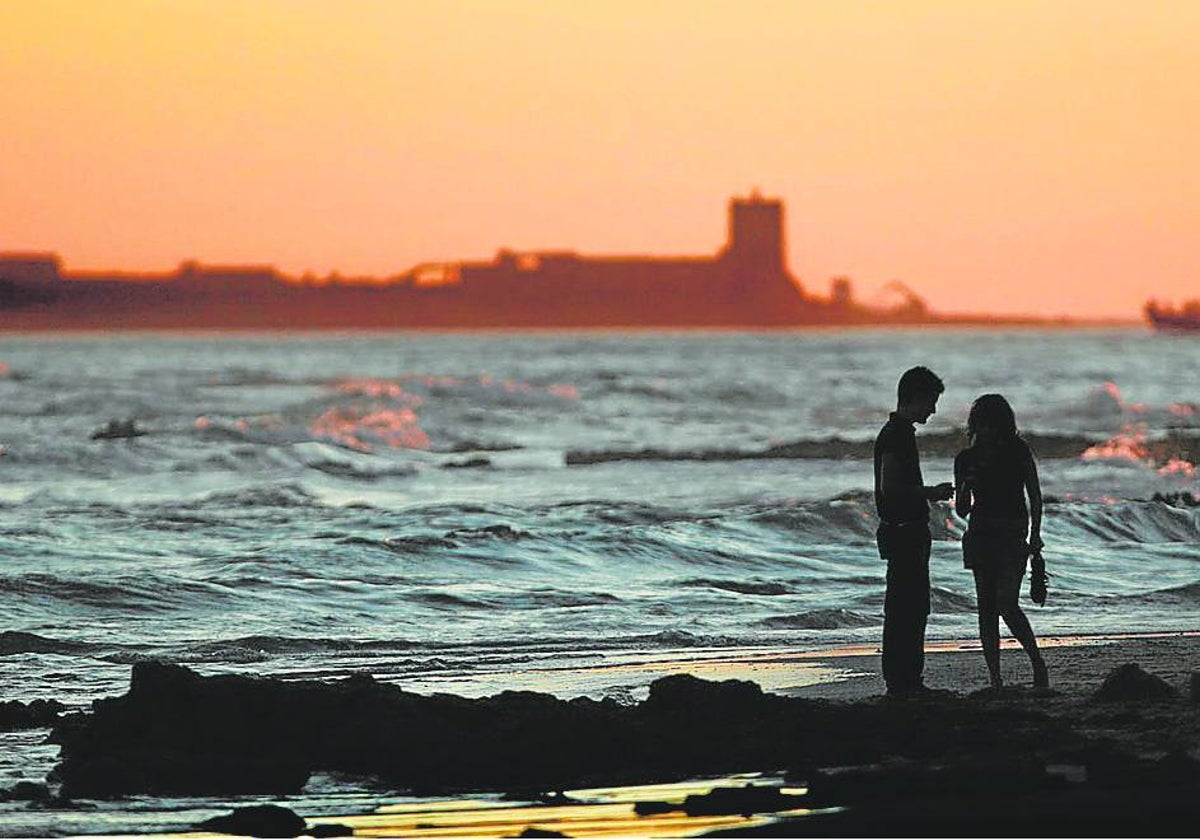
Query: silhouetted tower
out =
(756, 235)
(754, 259)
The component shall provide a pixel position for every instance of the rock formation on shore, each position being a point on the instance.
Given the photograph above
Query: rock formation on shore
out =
(176, 732)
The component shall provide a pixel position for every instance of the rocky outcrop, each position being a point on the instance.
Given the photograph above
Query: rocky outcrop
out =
(37, 713)
(258, 821)
(178, 733)
(1130, 682)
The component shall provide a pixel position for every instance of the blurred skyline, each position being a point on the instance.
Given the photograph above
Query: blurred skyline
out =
(1019, 157)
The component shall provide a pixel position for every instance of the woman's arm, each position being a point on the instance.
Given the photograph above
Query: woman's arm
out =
(962, 490)
(1033, 489)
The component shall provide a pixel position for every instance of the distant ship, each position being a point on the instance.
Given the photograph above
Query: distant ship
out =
(1184, 319)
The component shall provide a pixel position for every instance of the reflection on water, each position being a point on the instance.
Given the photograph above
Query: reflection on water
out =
(596, 812)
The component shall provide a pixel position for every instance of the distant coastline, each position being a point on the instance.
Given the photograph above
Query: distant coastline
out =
(746, 284)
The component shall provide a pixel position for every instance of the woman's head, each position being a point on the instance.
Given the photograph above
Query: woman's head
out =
(991, 418)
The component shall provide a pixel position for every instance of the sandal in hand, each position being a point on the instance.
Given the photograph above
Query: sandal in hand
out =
(1038, 578)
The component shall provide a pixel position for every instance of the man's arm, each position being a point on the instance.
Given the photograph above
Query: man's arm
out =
(894, 488)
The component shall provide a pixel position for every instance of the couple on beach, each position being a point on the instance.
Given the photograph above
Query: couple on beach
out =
(992, 478)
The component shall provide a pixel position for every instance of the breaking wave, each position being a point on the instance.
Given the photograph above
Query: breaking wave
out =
(825, 619)
(741, 587)
(933, 444)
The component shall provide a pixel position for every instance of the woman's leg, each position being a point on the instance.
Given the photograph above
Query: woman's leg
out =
(1008, 592)
(989, 621)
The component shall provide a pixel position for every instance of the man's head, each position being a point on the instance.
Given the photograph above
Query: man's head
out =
(917, 394)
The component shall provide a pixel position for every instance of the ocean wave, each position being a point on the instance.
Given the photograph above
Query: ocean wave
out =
(359, 472)
(417, 543)
(824, 619)
(632, 513)
(554, 598)
(674, 639)
(286, 495)
(469, 445)
(214, 653)
(16, 641)
(527, 599)
(1129, 521)
(178, 522)
(500, 532)
(747, 587)
(1106, 403)
(933, 444)
(260, 648)
(834, 520)
(657, 389)
(235, 377)
(439, 599)
(1186, 594)
(942, 600)
(134, 593)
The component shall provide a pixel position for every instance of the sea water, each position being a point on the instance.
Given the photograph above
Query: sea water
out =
(460, 511)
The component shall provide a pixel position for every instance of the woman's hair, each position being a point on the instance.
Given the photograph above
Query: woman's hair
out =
(992, 410)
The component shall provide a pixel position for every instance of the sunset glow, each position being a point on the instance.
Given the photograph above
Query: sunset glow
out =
(1018, 157)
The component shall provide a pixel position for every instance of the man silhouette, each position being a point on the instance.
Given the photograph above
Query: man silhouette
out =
(902, 501)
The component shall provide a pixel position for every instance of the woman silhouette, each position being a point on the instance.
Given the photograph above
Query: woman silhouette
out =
(992, 478)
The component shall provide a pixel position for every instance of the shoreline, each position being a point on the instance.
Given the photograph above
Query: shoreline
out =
(844, 672)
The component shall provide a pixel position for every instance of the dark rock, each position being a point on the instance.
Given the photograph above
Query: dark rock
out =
(1181, 499)
(467, 464)
(899, 779)
(58, 803)
(540, 832)
(257, 821)
(17, 641)
(683, 692)
(751, 799)
(1115, 769)
(117, 429)
(329, 830)
(177, 733)
(540, 797)
(649, 809)
(37, 713)
(28, 792)
(1130, 682)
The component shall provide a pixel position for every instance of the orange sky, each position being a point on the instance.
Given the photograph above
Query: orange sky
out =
(1005, 156)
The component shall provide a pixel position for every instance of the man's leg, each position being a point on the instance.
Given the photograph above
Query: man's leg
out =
(905, 612)
(894, 672)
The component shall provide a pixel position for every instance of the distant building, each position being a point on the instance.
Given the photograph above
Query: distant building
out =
(239, 278)
(841, 292)
(30, 268)
(746, 281)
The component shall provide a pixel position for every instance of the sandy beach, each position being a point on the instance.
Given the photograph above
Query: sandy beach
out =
(1078, 664)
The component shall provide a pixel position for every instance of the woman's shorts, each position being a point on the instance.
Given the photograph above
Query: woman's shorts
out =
(995, 544)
